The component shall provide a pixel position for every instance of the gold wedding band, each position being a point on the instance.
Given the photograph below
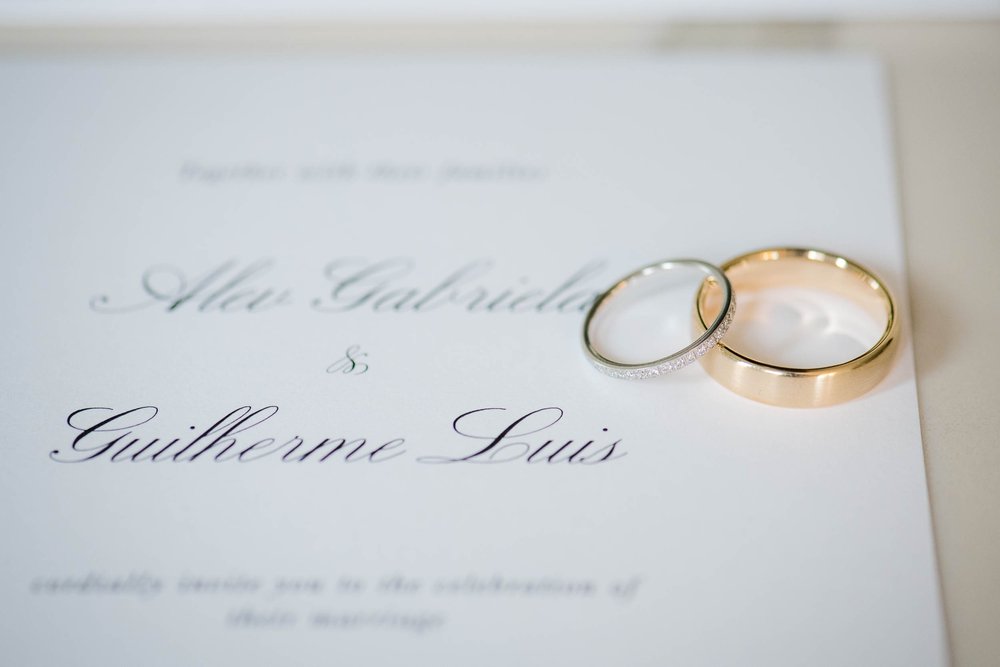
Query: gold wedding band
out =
(800, 387)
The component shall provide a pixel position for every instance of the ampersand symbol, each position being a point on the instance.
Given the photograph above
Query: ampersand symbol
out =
(350, 363)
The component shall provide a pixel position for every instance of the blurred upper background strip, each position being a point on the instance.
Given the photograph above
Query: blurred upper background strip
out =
(103, 12)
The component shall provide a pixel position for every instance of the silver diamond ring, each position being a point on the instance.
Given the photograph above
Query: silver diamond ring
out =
(705, 342)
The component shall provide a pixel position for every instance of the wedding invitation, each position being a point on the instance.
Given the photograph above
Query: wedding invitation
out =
(293, 375)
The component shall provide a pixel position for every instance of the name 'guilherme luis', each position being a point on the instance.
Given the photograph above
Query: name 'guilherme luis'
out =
(485, 436)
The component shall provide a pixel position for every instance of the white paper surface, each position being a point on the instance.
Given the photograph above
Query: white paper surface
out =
(718, 531)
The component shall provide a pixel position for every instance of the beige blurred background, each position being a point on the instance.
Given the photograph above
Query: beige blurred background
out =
(945, 90)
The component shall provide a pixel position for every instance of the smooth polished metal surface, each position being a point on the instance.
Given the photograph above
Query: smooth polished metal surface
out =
(800, 387)
(706, 339)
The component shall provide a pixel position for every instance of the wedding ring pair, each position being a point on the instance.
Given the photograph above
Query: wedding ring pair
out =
(715, 310)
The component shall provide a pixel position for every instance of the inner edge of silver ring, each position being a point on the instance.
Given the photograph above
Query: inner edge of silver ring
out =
(664, 364)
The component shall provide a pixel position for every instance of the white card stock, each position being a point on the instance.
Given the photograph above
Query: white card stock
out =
(292, 370)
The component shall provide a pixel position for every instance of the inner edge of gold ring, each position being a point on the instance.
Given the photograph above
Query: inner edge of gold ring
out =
(822, 256)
